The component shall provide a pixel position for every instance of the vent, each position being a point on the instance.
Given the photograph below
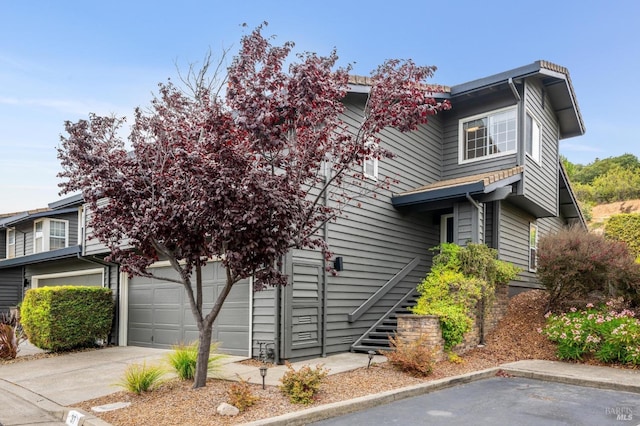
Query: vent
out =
(304, 320)
(348, 339)
(304, 336)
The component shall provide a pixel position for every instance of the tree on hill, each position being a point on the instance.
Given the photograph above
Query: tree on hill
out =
(587, 174)
(242, 176)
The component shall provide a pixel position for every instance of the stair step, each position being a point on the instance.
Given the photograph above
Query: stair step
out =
(386, 328)
(376, 349)
(379, 334)
(375, 342)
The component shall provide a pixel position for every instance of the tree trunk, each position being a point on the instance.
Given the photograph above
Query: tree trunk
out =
(204, 351)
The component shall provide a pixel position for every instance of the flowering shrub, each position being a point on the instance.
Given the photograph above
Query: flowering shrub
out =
(611, 335)
(576, 266)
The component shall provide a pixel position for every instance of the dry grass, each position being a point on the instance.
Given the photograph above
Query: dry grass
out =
(174, 403)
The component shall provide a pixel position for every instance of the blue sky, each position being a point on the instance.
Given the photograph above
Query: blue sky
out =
(60, 60)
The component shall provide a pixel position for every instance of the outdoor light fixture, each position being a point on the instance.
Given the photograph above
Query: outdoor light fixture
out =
(338, 265)
(371, 354)
(263, 373)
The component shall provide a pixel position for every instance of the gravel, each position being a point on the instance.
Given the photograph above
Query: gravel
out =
(515, 338)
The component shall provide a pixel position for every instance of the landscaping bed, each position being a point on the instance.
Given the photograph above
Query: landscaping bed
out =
(515, 338)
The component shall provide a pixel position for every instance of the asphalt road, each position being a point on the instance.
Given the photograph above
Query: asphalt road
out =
(505, 401)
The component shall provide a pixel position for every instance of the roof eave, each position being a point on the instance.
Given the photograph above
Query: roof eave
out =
(439, 194)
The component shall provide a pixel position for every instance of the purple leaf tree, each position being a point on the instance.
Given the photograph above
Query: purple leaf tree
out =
(239, 171)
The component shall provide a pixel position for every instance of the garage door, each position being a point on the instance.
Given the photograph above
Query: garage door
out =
(160, 315)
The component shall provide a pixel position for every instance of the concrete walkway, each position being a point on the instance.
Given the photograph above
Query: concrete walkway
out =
(36, 392)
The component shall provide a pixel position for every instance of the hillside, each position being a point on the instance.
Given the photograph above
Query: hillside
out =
(602, 212)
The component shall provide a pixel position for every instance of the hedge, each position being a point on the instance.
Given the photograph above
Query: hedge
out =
(66, 317)
(626, 228)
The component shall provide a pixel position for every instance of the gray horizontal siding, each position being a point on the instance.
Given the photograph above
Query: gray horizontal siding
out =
(91, 245)
(376, 241)
(10, 288)
(3, 244)
(541, 178)
(514, 242)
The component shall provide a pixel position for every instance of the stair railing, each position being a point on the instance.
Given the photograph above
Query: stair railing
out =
(353, 316)
(384, 317)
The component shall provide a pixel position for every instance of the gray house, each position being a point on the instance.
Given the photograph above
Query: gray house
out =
(43, 247)
(487, 171)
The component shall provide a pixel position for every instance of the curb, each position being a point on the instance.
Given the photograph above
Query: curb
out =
(349, 406)
(571, 380)
(49, 406)
(362, 403)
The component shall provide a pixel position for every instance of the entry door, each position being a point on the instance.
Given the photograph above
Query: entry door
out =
(302, 313)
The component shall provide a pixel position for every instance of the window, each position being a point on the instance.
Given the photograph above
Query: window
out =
(533, 247)
(532, 137)
(57, 234)
(370, 165)
(11, 243)
(50, 234)
(38, 235)
(446, 228)
(488, 135)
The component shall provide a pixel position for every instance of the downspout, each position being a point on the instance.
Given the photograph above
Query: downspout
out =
(276, 324)
(514, 90)
(477, 206)
(325, 278)
(520, 155)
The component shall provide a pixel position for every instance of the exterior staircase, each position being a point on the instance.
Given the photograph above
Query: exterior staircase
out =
(377, 337)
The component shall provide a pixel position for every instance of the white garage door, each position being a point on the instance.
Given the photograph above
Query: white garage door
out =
(160, 315)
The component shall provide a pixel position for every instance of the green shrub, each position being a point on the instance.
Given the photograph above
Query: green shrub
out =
(302, 386)
(578, 267)
(609, 335)
(183, 359)
(413, 357)
(142, 378)
(240, 395)
(459, 278)
(66, 317)
(625, 228)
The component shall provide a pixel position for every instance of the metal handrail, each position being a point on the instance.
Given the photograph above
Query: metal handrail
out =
(353, 316)
(384, 317)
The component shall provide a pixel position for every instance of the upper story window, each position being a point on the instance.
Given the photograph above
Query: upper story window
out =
(11, 243)
(370, 165)
(532, 137)
(50, 234)
(488, 135)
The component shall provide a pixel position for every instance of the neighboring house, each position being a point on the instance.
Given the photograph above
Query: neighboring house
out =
(487, 171)
(43, 248)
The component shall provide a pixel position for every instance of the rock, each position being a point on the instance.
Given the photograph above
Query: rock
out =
(225, 409)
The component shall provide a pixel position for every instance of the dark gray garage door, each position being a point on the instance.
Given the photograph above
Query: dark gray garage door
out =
(160, 316)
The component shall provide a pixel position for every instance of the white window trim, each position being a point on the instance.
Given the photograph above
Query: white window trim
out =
(533, 226)
(461, 144)
(46, 234)
(443, 227)
(11, 230)
(36, 278)
(535, 156)
(373, 161)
